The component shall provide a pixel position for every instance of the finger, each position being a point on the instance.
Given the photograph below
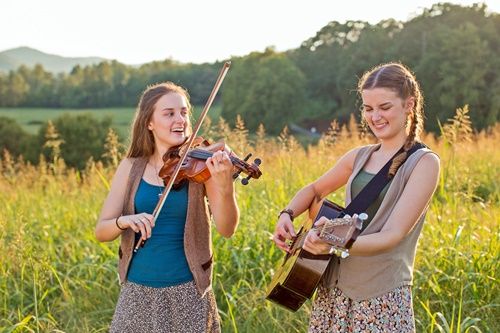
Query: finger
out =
(282, 245)
(225, 158)
(212, 164)
(283, 232)
(150, 218)
(321, 221)
(289, 228)
(147, 226)
(133, 226)
(142, 229)
(146, 222)
(220, 156)
(309, 247)
(314, 238)
(279, 242)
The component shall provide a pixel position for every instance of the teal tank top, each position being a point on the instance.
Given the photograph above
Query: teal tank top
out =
(358, 183)
(162, 261)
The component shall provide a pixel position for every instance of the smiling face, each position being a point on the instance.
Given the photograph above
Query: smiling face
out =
(169, 122)
(386, 113)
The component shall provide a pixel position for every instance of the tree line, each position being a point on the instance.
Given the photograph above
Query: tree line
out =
(453, 50)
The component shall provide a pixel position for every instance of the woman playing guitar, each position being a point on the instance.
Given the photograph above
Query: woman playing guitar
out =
(371, 289)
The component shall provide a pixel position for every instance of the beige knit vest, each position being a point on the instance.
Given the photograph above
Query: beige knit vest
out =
(197, 233)
(365, 277)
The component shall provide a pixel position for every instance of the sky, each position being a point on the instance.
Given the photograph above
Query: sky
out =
(135, 32)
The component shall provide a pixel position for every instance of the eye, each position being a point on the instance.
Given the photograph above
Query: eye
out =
(367, 109)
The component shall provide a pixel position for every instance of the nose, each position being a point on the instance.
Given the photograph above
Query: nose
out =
(179, 118)
(376, 115)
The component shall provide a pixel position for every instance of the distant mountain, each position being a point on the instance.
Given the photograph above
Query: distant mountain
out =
(13, 58)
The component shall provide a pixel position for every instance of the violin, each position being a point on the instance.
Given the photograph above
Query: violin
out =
(194, 167)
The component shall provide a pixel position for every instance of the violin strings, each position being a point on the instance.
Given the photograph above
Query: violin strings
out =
(201, 154)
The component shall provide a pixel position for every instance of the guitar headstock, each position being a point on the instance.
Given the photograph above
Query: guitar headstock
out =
(341, 232)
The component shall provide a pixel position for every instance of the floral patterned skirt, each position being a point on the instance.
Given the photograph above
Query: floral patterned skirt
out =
(333, 311)
(175, 309)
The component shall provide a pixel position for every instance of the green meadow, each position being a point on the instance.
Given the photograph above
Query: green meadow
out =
(55, 277)
(31, 119)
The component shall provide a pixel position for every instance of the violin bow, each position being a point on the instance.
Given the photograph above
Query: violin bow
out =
(189, 143)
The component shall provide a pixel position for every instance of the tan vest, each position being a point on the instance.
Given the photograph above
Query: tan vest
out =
(365, 277)
(197, 233)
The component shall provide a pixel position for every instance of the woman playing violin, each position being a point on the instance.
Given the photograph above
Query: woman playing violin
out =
(166, 284)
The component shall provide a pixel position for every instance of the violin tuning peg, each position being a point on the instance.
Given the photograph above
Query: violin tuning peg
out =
(247, 157)
(257, 161)
(245, 181)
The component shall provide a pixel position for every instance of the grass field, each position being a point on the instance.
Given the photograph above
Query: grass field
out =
(32, 118)
(55, 277)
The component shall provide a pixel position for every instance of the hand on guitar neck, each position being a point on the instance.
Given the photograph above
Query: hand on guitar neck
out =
(333, 236)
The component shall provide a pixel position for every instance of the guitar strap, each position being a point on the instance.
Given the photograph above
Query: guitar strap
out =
(372, 190)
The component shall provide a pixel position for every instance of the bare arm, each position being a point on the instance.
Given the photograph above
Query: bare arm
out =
(311, 194)
(106, 228)
(221, 194)
(410, 206)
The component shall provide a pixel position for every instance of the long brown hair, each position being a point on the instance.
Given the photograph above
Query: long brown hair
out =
(142, 141)
(402, 81)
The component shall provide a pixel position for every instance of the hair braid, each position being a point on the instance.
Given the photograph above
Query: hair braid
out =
(416, 123)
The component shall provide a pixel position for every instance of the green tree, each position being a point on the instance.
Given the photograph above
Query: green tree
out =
(14, 139)
(83, 136)
(17, 89)
(264, 88)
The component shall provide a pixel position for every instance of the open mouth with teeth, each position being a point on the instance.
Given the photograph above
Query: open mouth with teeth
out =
(178, 130)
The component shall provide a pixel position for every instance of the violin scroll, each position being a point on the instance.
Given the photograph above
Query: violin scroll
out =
(254, 167)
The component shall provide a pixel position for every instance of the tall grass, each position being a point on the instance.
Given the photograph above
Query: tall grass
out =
(55, 277)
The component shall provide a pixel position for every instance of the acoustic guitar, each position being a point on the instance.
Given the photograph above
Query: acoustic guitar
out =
(299, 274)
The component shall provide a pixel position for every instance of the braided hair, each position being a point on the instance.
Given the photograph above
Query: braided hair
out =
(402, 81)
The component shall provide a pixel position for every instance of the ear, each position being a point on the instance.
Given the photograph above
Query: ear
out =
(410, 104)
(150, 126)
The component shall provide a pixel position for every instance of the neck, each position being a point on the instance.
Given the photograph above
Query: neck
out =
(157, 158)
(393, 144)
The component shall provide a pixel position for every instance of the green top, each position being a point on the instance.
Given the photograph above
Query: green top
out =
(358, 183)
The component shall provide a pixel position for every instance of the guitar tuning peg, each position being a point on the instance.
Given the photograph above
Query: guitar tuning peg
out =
(363, 216)
(344, 254)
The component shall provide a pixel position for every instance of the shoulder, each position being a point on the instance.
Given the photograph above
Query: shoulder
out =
(426, 166)
(126, 164)
(124, 168)
(352, 155)
(428, 160)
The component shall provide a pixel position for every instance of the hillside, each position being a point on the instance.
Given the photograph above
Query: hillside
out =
(13, 58)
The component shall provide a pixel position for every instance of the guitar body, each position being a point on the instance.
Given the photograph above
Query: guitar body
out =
(298, 276)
